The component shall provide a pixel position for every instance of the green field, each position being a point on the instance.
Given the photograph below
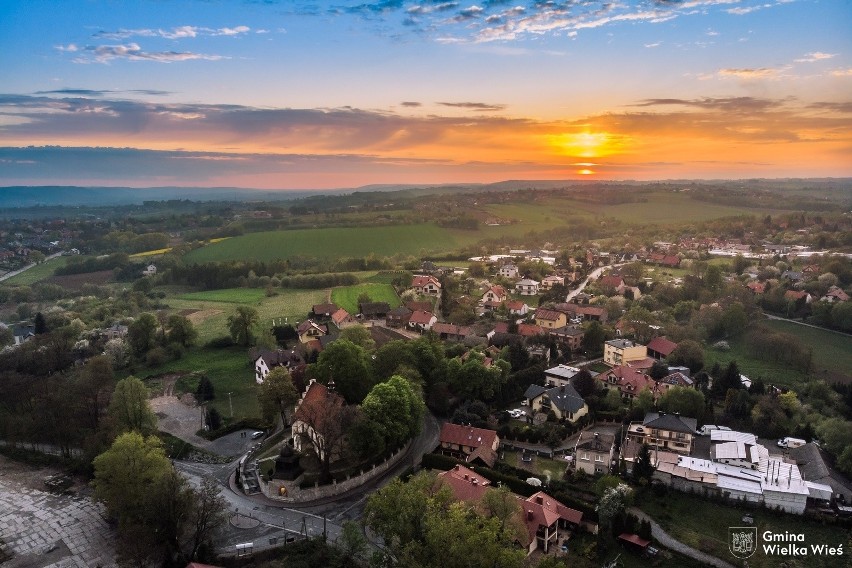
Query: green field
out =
(37, 273)
(330, 243)
(228, 369)
(347, 297)
(230, 295)
(289, 305)
(832, 356)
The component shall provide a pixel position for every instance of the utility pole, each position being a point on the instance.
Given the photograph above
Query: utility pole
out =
(231, 404)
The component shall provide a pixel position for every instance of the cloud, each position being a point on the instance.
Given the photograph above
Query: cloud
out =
(814, 57)
(179, 32)
(655, 44)
(101, 93)
(411, 104)
(133, 52)
(842, 72)
(474, 106)
(746, 73)
(726, 104)
(845, 107)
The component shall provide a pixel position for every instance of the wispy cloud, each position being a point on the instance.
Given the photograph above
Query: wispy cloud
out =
(133, 52)
(179, 32)
(814, 57)
(474, 106)
(411, 104)
(842, 72)
(102, 93)
(749, 73)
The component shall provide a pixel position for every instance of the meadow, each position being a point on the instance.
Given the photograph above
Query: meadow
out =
(347, 297)
(37, 273)
(229, 295)
(330, 243)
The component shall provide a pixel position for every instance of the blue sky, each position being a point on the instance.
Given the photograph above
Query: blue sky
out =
(337, 94)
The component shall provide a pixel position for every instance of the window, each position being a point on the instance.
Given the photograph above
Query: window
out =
(598, 458)
(585, 457)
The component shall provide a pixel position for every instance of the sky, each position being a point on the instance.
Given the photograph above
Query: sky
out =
(336, 94)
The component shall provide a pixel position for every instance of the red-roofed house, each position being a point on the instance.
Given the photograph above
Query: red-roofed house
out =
(452, 331)
(550, 319)
(835, 294)
(549, 282)
(529, 330)
(660, 347)
(544, 516)
(309, 331)
(517, 308)
(796, 295)
(469, 444)
(495, 295)
(615, 283)
(757, 287)
(422, 321)
(341, 317)
(309, 414)
(628, 381)
(466, 484)
(426, 285)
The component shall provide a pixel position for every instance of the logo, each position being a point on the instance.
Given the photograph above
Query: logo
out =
(742, 541)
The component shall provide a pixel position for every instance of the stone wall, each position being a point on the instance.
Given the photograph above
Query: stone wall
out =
(295, 494)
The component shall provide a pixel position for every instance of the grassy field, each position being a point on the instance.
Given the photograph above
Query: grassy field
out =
(228, 369)
(230, 295)
(291, 306)
(703, 524)
(37, 273)
(347, 297)
(330, 243)
(832, 356)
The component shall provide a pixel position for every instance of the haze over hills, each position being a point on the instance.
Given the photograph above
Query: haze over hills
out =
(33, 196)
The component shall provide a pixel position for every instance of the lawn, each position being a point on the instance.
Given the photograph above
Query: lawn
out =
(540, 466)
(228, 369)
(703, 524)
(330, 243)
(347, 297)
(38, 272)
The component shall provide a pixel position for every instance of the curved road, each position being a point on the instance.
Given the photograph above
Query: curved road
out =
(670, 542)
(594, 275)
(27, 267)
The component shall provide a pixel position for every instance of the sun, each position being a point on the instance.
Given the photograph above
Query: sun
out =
(586, 144)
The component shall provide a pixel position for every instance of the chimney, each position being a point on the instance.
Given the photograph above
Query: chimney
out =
(539, 500)
(474, 481)
(529, 515)
(465, 476)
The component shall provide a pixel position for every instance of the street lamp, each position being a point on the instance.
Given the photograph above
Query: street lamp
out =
(231, 404)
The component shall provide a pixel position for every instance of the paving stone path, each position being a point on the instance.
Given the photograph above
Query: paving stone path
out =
(43, 530)
(670, 542)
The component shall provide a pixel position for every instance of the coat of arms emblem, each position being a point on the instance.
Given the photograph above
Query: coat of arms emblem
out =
(742, 541)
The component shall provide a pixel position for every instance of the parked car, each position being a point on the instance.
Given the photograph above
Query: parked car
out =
(257, 434)
(791, 442)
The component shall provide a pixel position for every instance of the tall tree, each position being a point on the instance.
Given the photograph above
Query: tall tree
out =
(142, 334)
(93, 386)
(688, 353)
(329, 420)
(684, 400)
(40, 324)
(242, 325)
(359, 335)
(349, 366)
(276, 395)
(180, 330)
(129, 407)
(397, 408)
(643, 467)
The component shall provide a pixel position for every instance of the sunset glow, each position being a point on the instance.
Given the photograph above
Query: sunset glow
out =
(245, 94)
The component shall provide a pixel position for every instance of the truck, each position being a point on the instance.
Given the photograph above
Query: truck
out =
(791, 442)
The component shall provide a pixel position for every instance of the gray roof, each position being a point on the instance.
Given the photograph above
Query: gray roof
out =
(565, 398)
(671, 422)
(563, 371)
(813, 467)
(621, 343)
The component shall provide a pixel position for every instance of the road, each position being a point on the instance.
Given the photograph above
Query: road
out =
(669, 542)
(594, 275)
(808, 325)
(27, 267)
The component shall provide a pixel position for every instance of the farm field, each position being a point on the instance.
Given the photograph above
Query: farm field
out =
(330, 243)
(290, 305)
(230, 295)
(228, 369)
(347, 297)
(37, 273)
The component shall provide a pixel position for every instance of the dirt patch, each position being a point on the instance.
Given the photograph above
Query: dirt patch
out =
(32, 477)
(198, 316)
(188, 312)
(76, 281)
(179, 418)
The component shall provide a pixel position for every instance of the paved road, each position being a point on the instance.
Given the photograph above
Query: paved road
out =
(669, 542)
(594, 275)
(27, 267)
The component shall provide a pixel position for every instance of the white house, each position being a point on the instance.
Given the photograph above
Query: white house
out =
(527, 287)
(508, 271)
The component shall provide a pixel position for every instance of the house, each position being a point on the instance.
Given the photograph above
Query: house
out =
(508, 270)
(569, 336)
(736, 448)
(422, 321)
(451, 332)
(309, 414)
(374, 310)
(23, 332)
(792, 275)
(670, 432)
(565, 402)
(559, 375)
(466, 484)
(150, 270)
(676, 379)
(612, 283)
(550, 319)
(550, 281)
(495, 295)
(814, 469)
(415, 305)
(341, 318)
(756, 287)
(426, 285)
(469, 444)
(517, 308)
(116, 331)
(526, 287)
(323, 310)
(660, 347)
(797, 295)
(398, 317)
(835, 294)
(543, 517)
(309, 331)
(811, 270)
(265, 361)
(529, 330)
(629, 381)
(620, 351)
(593, 452)
(578, 312)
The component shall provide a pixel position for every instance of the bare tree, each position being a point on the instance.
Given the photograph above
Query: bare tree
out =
(327, 420)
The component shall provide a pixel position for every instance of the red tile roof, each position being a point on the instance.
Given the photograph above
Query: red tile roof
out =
(467, 436)
(548, 315)
(662, 345)
(421, 281)
(340, 316)
(421, 317)
(465, 484)
(795, 295)
(529, 330)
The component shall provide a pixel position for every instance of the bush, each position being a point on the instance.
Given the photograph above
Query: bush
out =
(221, 342)
(156, 357)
